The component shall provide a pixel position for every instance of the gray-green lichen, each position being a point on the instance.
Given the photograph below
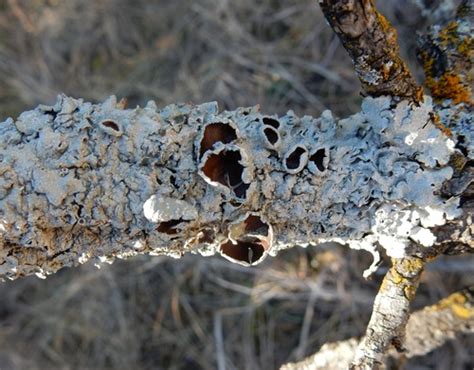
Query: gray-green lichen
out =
(80, 181)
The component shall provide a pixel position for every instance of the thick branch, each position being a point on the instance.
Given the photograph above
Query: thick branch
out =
(427, 329)
(372, 44)
(82, 181)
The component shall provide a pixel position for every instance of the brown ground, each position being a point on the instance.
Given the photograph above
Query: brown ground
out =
(196, 313)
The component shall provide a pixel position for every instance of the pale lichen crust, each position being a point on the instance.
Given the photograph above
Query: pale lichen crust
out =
(80, 181)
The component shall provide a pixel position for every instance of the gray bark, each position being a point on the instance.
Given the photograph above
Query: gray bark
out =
(391, 311)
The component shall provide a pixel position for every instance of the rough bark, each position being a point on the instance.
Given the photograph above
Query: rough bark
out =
(390, 313)
(427, 329)
(372, 44)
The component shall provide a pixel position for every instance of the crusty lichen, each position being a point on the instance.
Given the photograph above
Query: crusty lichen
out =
(449, 86)
(461, 304)
(447, 56)
(72, 190)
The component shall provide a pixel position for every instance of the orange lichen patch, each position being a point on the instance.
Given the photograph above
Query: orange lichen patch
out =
(214, 133)
(437, 122)
(458, 304)
(447, 56)
(427, 62)
(449, 86)
(466, 46)
(387, 28)
(448, 33)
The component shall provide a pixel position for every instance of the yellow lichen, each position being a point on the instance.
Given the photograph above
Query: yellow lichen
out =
(387, 28)
(396, 277)
(457, 161)
(449, 34)
(427, 62)
(411, 265)
(404, 273)
(458, 304)
(410, 292)
(465, 47)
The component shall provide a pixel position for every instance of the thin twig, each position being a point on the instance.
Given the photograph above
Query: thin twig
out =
(390, 314)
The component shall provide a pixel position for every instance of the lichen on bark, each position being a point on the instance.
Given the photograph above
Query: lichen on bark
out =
(84, 181)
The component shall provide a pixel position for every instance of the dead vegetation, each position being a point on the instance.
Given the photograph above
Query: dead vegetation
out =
(198, 313)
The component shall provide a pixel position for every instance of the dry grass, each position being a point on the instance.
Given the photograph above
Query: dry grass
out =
(194, 313)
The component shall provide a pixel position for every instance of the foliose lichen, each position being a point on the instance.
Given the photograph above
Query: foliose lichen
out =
(82, 181)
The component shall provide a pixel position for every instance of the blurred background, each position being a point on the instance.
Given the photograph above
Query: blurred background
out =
(198, 313)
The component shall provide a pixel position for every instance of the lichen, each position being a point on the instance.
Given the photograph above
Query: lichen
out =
(458, 304)
(249, 240)
(447, 57)
(70, 191)
(449, 86)
(163, 209)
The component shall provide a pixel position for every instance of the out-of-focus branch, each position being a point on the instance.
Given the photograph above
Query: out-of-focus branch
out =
(331, 356)
(432, 326)
(390, 314)
(447, 55)
(426, 330)
(372, 44)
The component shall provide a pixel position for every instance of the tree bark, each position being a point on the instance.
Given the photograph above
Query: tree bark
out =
(390, 313)
(372, 44)
(83, 181)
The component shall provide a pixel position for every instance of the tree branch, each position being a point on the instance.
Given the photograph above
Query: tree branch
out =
(82, 181)
(426, 330)
(372, 44)
(390, 313)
